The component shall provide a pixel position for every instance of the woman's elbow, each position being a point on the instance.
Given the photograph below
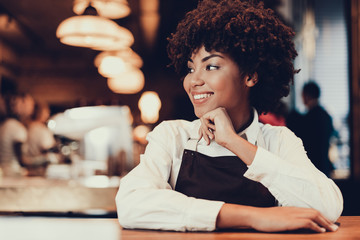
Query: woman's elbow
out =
(333, 209)
(123, 211)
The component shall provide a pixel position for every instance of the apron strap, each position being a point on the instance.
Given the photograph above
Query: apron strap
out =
(191, 144)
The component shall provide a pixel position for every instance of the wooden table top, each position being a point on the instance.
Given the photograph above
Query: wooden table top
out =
(53, 228)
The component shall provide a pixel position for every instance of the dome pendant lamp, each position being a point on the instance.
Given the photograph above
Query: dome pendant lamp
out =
(113, 9)
(92, 31)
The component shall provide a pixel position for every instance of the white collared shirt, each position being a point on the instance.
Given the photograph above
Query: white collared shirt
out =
(146, 198)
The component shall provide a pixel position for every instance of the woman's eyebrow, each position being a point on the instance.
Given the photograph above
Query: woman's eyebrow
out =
(211, 56)
(208, 57)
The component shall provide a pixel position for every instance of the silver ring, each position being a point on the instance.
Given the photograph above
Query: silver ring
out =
(210, 130)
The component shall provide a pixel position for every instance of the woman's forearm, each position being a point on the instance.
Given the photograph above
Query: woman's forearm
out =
(241, 148)
(233, 216)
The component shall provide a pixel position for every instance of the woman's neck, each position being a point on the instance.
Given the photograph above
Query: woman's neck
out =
(243, 120)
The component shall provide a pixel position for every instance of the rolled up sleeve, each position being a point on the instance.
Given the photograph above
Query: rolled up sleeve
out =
(292, 179)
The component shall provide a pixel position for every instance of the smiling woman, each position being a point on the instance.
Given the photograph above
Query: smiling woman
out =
(214, 80)
(225, 169)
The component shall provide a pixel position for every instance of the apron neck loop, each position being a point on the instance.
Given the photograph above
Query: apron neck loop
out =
(191, 144)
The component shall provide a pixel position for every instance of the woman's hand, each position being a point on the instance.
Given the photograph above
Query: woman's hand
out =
(277, 219)
(217, 125)
(273, 219)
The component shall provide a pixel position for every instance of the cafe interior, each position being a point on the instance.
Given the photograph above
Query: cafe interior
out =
(101, 67)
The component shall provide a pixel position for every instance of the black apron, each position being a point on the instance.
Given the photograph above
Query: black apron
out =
(220, 178)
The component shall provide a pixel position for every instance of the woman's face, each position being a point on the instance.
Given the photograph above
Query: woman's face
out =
(23, 106)
(214, 80)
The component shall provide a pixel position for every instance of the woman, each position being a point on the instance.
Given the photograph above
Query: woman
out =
(227, 170)
(41, 142)
(13, 134)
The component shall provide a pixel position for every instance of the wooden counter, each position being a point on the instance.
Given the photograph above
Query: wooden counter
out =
(16, 227)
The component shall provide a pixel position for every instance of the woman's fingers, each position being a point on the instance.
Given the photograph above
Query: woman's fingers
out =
(207, 138)
(204, 134)
(318, 219)
(206, 130)
(323, 222)
(313, 225)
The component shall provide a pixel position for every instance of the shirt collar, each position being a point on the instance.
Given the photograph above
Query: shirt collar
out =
(252, 131)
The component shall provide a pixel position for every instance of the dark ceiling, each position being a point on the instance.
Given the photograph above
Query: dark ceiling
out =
(39, 19)
(31, 31)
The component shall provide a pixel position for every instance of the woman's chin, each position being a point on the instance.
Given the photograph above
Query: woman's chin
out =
(199, 113)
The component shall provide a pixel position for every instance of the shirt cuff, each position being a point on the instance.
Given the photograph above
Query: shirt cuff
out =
(202, 215)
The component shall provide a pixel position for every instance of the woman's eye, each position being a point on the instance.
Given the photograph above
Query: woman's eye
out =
(211, 67)
(190, 70)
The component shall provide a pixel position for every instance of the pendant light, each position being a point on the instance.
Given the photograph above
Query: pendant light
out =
(149, 20)
(113, 9)
(114, 63)
(129, 82)
(149, 105)
(93, 31)
(112, 66)
(126, 54)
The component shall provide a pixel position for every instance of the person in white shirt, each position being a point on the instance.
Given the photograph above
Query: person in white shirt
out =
(225, 169)
(13, 134)
(41, 141)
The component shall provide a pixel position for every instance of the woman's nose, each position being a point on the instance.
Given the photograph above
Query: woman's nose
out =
(197, 79)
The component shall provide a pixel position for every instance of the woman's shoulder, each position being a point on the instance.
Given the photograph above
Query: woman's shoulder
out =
(172, 134)
(281, 140)
(13, 129)
(13, 124)
(279, 133)
(177, 126)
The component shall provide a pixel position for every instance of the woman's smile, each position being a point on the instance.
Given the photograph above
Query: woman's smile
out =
(201, 97)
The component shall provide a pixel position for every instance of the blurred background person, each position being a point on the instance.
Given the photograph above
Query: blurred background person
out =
(13, 134)
(317, 129)
(294, 121)
(41, 142)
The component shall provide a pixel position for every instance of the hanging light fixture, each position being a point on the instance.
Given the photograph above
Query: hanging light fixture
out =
(140, 132)
(149, 105)
(149, 20)
(92, 31)
(129, 82)
(127, 55)
(112, 67)
(114, 63)
(113, 9)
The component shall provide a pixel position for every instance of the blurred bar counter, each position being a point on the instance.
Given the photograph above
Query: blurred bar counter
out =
(92, 196)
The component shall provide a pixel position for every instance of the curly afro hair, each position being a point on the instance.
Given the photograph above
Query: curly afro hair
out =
(254, 37)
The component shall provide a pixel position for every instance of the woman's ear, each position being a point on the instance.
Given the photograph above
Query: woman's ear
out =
(251, 80)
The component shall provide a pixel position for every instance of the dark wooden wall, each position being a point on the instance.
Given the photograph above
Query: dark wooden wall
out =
(355, 87)
(350, 187)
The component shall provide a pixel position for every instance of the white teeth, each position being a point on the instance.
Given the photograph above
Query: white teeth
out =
(201, 96)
